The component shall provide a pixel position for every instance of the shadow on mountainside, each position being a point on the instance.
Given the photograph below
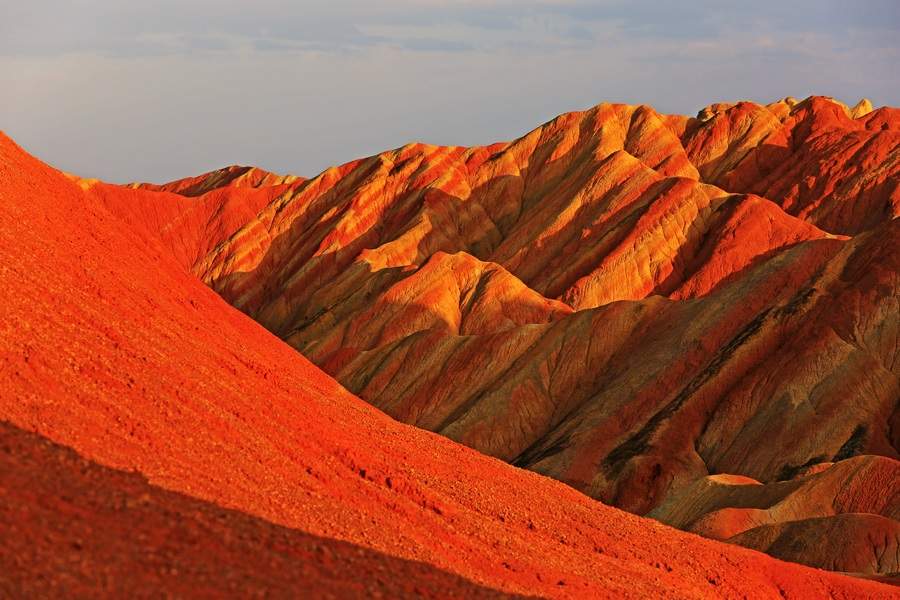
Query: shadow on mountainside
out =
(72, 527)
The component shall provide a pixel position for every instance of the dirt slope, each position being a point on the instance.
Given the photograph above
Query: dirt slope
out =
(91, 530)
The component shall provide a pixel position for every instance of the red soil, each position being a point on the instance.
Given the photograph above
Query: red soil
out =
(109, 532)
(110, 347)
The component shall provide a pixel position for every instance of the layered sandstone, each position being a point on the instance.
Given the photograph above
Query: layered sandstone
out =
(111, 348)
(629, 302)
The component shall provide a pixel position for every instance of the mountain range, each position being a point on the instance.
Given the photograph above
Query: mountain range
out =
(691, 319)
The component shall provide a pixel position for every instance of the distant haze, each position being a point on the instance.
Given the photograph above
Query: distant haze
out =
(154, 91)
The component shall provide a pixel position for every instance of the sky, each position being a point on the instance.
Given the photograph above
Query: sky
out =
(129, 90)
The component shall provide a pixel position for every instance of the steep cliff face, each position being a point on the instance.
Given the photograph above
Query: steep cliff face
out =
(214, 458)
(626, 301)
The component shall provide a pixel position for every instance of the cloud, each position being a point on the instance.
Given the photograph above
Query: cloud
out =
(152, 91)
(121, 28)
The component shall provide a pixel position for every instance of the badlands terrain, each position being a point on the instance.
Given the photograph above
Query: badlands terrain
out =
(688, 322)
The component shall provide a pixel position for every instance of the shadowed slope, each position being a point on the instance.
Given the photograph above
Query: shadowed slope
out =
(856, 501)
(724, 505)
(72, 528)
(870, 543)
(455, 294)
(110, 348)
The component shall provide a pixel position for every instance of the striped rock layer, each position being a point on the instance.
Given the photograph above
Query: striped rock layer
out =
(153, 439)
(626, 301)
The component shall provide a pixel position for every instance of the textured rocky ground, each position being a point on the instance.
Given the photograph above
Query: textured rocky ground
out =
(73, 528)
(635, 304)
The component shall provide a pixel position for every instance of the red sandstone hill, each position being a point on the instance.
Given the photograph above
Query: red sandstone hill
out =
(584, 302)
(626, 301)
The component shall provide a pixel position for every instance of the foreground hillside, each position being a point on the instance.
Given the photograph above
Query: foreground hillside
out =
(111, 348)
(639, 305)
(85, 528)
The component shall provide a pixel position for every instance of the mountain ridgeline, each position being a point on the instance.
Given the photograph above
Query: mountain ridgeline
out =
(692, 318)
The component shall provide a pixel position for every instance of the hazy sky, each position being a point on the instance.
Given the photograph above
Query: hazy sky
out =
(155, 90)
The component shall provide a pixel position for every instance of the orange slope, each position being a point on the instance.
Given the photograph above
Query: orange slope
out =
(110, 347)
(109, 532)
(832, 166)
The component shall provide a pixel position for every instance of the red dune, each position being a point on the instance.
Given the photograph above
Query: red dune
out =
(605, 300)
